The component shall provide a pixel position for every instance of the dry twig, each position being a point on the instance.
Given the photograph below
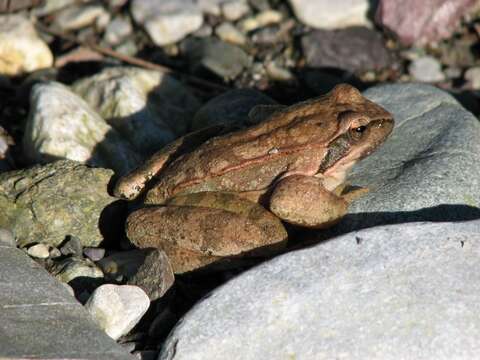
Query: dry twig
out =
(131, 59)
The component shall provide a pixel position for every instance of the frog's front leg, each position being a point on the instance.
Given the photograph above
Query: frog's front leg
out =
(197, 229)
(304, 201)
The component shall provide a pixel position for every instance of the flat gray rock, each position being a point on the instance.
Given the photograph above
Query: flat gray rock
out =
(40, 319)
(406, 291)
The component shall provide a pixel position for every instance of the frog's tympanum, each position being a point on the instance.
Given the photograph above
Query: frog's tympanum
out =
(213, 196)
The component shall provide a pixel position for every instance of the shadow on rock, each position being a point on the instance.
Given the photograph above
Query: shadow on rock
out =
(354, 222)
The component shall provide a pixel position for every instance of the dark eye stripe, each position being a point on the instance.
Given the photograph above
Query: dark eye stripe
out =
(336, 149)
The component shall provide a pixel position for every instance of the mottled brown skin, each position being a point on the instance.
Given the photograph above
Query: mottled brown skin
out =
(212, 191)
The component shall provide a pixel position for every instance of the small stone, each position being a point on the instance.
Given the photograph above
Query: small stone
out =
(168, 21)
(421, 22)
(7, 238)
(39, 251)
(117, 308)
(94, 254)
(114, 4)
(61, 125)
(229, 33)
(260, 5)
(352, 49)
(231, 108)
(146, 355)
(50, 6)
(21, 50)
(77, 17)
(129, 346)
(71, 268)
(265, 18)
(234, 10)
(453, 72)
(205, 31)
(223, 59)
(211, 7)
(55, 253)
(472, 76)
(278, 73)
(154, 275)
(426, 69)
(5, 142)
(72, 246)
(117, 30)
(328, 14)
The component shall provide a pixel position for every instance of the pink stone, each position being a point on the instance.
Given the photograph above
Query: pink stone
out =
(422, 21)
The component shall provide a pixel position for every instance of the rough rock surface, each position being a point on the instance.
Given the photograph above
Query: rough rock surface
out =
(421, 22)
(327, 14)
(62, 126)
(117, 308)
(47, 203)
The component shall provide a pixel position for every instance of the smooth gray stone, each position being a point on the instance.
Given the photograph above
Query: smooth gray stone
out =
(428, 169)
(408, 291)
(40, 319)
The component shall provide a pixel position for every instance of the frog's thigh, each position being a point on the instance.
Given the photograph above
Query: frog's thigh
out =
(205, 225)
(303, 201)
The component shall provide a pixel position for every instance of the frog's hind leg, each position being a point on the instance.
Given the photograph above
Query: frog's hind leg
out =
(302, 200)
(197, 229)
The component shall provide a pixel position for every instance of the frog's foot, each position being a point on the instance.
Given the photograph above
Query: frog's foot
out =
(302, 200)
(198, 229)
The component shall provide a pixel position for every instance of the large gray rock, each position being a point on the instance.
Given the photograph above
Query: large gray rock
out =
(48, 203)
(63, 126)
(405, 291)
(398, 291)
(40, 319)
(428, 169)
(147, 107)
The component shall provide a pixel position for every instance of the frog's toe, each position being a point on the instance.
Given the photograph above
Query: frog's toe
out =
(303, 201)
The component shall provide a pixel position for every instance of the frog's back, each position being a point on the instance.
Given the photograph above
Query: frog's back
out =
(248, 159)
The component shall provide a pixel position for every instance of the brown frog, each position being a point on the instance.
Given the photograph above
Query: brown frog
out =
(212, 193)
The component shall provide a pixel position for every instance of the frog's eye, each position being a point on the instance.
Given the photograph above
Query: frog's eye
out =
(357, 131)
